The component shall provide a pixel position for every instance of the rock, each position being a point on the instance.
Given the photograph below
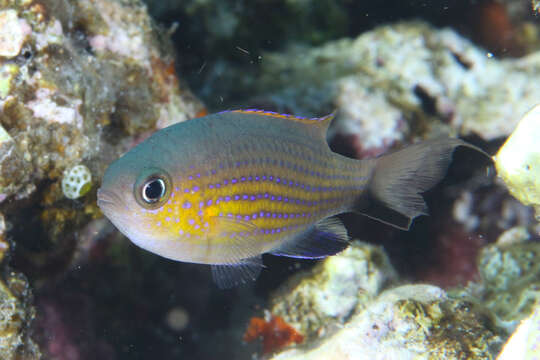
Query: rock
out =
(91, 80)
(412, 321)
(13, 32)
(518, 160)
(83, 67)
(16, 313)
(510, 272)
(318, 301)
(524, 344)
(400, 81)
(80, 83)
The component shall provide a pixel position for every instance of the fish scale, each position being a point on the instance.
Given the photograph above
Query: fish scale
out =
(233, 196)
(228, 187)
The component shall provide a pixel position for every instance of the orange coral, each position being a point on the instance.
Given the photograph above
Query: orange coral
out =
(275, 333)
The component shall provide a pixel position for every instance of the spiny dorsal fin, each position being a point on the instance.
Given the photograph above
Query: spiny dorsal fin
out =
(323, 122)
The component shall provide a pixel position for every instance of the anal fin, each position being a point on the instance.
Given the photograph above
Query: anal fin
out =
(227, 276)
(327, 237)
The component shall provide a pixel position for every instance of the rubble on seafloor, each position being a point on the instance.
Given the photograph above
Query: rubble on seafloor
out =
(410, 321)
(338, 287)
(419, 321)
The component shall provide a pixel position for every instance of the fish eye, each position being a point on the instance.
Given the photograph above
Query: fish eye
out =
(153, 188)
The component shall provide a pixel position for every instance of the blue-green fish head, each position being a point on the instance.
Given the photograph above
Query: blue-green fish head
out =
(133, 192)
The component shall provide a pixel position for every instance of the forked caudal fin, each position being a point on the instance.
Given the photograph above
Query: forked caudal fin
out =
(394, 194)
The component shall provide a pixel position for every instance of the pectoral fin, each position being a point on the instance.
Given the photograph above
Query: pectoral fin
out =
(227, 276)
(232, 240)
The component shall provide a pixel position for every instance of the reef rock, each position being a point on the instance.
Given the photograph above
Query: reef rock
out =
(16, 313)
(68, 71)
(399, 81)
(518, 160)
(80, 83)
(524, 344)
(510, 272)
(412, 321)
(321, 300)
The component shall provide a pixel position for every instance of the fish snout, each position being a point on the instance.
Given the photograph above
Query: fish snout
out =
(107, 199)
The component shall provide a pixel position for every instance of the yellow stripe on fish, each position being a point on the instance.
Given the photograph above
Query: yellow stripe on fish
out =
(228, 187)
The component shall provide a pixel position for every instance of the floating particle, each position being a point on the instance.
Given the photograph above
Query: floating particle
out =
(177, 318)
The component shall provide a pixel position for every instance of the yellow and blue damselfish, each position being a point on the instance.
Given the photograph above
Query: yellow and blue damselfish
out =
(225, 188)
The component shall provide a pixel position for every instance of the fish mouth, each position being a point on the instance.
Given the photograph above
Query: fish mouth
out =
(108, 200)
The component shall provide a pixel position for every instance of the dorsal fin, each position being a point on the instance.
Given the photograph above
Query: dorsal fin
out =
(322, 122)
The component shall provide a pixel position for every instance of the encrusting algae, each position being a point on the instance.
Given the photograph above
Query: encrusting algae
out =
(275, 333)
(226, 188)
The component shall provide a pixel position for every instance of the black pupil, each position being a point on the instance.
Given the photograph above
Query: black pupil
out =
(154, 190)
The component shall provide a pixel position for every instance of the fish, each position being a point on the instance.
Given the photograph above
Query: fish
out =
(225, 188)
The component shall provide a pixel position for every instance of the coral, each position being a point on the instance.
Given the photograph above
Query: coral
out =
(90, 79)
(76, 182)
(80, 83)
(320, 300)
(274, 332)
(116, 72)
(16, 314)
(412, 321)
(518, 160)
